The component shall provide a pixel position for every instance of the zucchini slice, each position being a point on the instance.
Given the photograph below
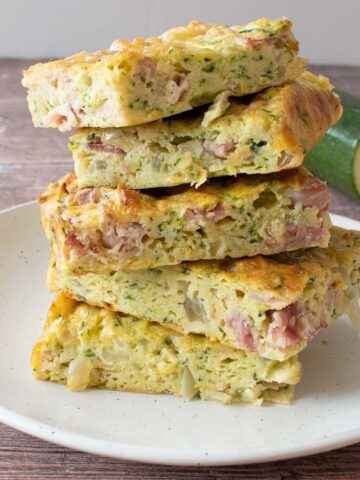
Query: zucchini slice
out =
(336, 158)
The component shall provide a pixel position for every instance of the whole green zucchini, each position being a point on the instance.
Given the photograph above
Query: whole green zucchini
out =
(336, 158)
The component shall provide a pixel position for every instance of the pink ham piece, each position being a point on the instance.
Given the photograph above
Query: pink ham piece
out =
(125, 238)
(176, 88)
(74, 244)
(63, 114)
(313, 194)
(63, 80)
(221, 150)
(286, 325)
(123, 168)
(307, 330)
(291, 324)
(88, 195)
(146, 69)
(256, 43)
(241, 328)
(57, 118)
(105, 147)
(296, 236)
(183, 84)
(267, 299)
(204, 215)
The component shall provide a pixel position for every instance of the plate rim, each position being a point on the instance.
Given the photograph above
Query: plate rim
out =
(172, 457)
(168, 456)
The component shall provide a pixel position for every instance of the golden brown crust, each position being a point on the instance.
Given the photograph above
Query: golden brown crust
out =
(206, 196)
(308, 110)
(260, 273)
(202, 33)
(111, 88)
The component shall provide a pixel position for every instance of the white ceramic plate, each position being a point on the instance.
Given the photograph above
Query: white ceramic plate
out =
(161, 428)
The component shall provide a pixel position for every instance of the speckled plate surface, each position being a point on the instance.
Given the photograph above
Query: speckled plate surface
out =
(161, 428)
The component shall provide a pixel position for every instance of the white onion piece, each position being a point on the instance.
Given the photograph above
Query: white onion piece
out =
(110, 355)
(188, 388)
(194, 309)
(78, 377)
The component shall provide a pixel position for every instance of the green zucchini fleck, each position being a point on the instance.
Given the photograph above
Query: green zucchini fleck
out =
(88, 353)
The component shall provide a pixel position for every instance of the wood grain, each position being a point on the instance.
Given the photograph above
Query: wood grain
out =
(23, 457)
(29, 159)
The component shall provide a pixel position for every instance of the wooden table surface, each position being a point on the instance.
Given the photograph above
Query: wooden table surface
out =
(29, 159)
